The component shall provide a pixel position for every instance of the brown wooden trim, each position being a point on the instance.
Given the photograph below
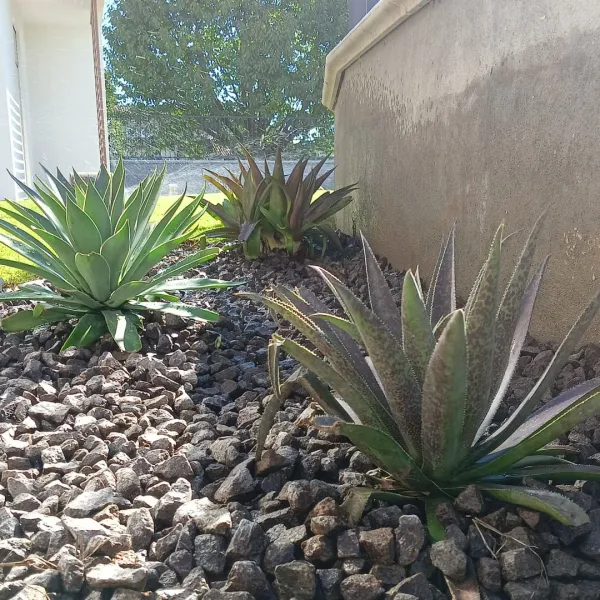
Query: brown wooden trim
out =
(98, 77)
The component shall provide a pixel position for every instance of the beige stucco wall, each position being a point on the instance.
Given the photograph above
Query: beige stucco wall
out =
(481, 111)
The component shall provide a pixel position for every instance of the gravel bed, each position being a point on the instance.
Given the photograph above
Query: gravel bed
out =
(133, 476)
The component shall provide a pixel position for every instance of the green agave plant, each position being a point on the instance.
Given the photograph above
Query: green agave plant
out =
(96, 247)
(240, 213)
(294, 211)
(266, 211)
(421, 403)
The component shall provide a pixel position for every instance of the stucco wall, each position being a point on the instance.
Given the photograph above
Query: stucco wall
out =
(481, 111)
(59, 95)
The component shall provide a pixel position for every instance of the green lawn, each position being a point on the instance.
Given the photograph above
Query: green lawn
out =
(14, 276)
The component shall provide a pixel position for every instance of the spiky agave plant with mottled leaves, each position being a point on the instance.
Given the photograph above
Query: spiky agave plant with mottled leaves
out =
(96, 247)
(422, 401)
(265, 211)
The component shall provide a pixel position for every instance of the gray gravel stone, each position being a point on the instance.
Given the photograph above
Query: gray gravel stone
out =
(248, 542)
(361, 587)
(410, 537)
(296, 579)
(449, 559)
(519, 564)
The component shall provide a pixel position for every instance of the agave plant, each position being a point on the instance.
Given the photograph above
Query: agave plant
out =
(240, 213)
(265, 211)
(96, 248)
(421, 404)
(297, 214)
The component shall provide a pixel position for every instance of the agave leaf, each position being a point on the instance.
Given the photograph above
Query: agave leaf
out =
(85, 299)
(347, 326)
(328, 233)
(552, 370)
(444, 400)
(417, 335)
(536, 460)
(91, 327)
(123, 328)
(115, 250)
(339, 353)
(184, 265)
(380, 447)
(551, 421)
(253, 245)
(41, 272)
(559, 507)
(480, 324)
(338, 334)
(511, 304)
(393, 369)
(295, 178)
(179, 309)
(279, 396)
(24, 320)
(97, 210)
(442, 293)
(117, 203)
(34, 250)
(196, 283)
(520, 333)
(558, 472)
(102, 182)
(127, 291)
(96, 270)
(246, 231)
(382, 301)
(345, 386)
(65, 253)
(83, 232)
(152, 258)
(150, 242)
(275, 402)
(328, 204)
(320, 393)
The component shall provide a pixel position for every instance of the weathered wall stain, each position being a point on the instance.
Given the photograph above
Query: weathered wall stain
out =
(481, 111)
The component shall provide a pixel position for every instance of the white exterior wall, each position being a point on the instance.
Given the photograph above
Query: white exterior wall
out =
(60, 98)
(56, 84)
(9, 95)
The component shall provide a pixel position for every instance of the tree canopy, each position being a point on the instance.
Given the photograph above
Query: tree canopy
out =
(241, 69)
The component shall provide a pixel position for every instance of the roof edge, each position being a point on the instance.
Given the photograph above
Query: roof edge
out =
(383, 18)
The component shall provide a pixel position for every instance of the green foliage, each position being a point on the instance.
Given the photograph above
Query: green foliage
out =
(421, 403)
(238, 71)
(265, 211)
(96, 247)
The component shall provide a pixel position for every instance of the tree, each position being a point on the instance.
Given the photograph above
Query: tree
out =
(236, 70)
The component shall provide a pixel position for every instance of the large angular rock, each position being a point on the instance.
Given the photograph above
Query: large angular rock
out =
(248, 542)
(208, 516)
(210, 553)
(296, 579)
(521, 563)
(449, 559)
(114, 576)
(89, 503)
(410, 537)
(49, 411)
(361, 587)
(167, 505)
(237, 484)
(246, 576)
(71, 570)
(140, 526)
(379, 545)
